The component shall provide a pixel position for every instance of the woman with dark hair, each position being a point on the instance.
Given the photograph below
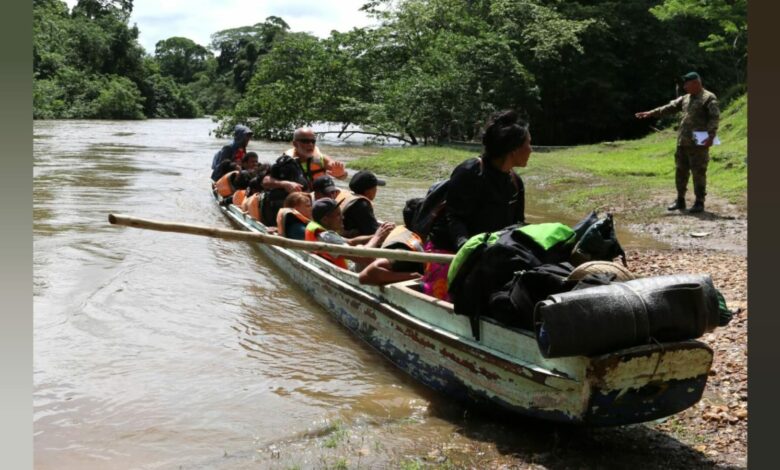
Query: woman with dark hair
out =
(485, 194)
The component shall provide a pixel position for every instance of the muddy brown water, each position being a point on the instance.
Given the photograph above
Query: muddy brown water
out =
(161, 350)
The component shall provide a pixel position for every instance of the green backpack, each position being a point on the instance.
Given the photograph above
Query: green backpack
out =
(546, 236)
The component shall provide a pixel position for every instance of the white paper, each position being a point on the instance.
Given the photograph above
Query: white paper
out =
(701, 136)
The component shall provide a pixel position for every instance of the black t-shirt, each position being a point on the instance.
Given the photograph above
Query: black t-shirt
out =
(359, 218)
(482, 199)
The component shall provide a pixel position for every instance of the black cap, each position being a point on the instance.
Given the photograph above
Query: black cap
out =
(324, 185)
(690, 76)
(322, 207)
(363, 181)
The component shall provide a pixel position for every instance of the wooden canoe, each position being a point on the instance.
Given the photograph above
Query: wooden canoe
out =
(426, 339)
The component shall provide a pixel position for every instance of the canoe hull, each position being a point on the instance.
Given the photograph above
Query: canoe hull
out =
(626, 387)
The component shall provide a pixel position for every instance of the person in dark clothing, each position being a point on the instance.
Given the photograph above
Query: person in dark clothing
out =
(224, 168)
(358, 207)
(485, 193)
(234, 151)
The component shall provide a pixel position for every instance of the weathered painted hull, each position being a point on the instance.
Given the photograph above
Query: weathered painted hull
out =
(427, 340)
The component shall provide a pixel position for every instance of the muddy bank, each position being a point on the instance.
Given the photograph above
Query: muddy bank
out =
(722, 227)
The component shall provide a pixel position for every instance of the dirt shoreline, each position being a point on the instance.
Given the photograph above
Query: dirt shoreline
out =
(713, 242)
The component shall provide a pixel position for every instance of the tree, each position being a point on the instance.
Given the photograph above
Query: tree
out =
(730, 16)
(240, 48)
(181, 58)
(119, 99)
(94, 9)
(282, 94)
(50, 35)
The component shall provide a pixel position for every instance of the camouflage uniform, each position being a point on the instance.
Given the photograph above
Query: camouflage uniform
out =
(699, 113)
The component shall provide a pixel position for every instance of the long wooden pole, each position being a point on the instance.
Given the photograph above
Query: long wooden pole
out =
(227, 234)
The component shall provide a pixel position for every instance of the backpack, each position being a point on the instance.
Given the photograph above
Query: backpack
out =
(431, 209)
(430, 218)
(551, 242)
(288, 169)
(488, 262)
(599, 242)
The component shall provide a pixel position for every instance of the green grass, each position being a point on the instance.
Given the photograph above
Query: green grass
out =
(337, 433)
(411, 465)
(627, 174)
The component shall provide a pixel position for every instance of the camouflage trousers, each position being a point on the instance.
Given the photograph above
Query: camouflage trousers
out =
(690, 160)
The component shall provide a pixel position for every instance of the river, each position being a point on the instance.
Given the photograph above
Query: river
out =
(159, 350)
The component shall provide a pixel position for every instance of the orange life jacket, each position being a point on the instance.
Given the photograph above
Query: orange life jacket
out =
(239, 197)
(253, 205)
(312, 230)
(402, 236)
(348, 198)
(313, 167)
(341, 196)
(224, 185)
(284, 212)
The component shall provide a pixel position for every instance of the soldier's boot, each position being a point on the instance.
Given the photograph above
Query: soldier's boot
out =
(679, 204)
(697, 207)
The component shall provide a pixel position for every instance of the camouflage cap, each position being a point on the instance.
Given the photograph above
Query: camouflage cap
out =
(690, 76)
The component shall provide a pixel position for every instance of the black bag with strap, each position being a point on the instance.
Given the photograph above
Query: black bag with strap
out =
(431, 209)
(599, 242)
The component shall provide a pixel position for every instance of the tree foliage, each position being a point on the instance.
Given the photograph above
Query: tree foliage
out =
(181, 58)
(730, 18)
(431, 70)
(426, 71)
(87, 63)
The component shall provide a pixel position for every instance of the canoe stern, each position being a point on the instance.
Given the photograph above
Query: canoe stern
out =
(646, 383)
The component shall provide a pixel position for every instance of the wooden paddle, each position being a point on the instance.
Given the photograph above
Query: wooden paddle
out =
(275, 240)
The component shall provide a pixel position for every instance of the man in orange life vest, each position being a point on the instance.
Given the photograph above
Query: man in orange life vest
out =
(325, 227)
(297, 169)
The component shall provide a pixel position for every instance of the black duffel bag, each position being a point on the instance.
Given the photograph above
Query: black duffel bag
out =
(602, 319)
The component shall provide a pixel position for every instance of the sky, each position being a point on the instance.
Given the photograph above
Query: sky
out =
(198, 19)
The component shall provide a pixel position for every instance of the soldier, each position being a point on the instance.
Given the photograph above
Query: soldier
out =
(700, 113)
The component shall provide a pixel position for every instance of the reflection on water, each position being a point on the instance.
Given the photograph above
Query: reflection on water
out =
(157, 350)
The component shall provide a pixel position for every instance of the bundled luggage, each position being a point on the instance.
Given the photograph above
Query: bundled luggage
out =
(525, 277)
(486, 267)
(620, 315)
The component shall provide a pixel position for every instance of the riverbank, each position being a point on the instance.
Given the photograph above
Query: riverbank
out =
(632, 179)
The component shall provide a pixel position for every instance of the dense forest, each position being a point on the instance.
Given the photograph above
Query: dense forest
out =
(429, 71)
